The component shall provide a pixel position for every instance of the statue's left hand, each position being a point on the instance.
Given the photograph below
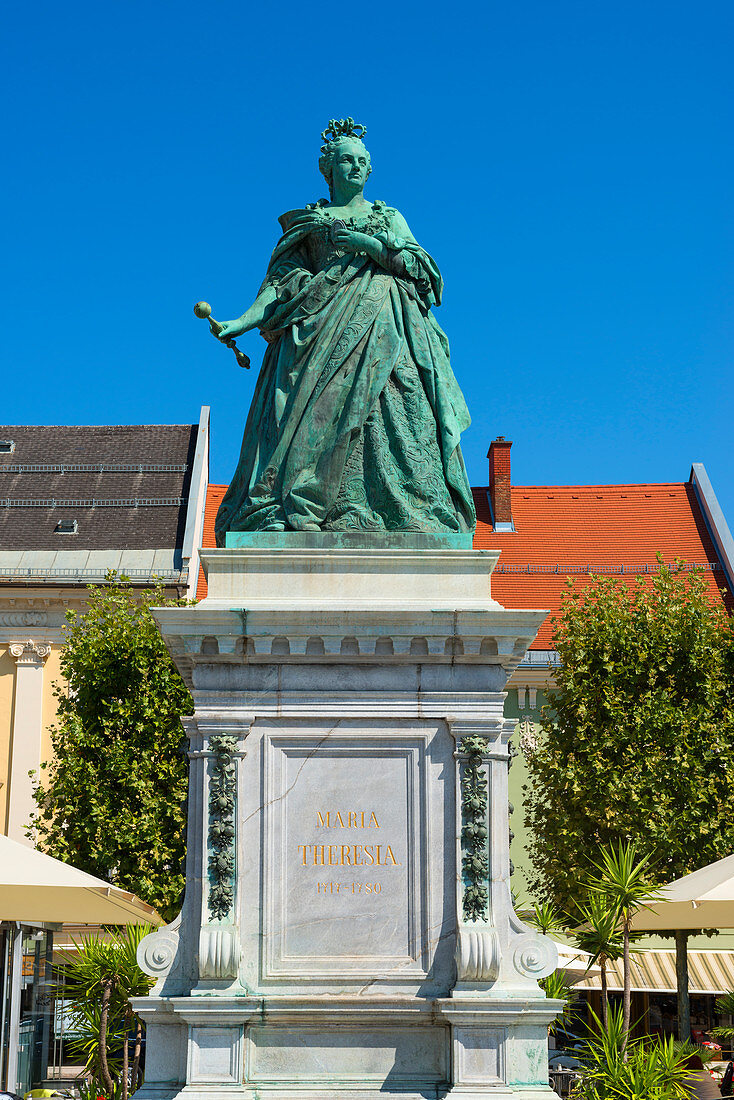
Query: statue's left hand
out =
(350, 241)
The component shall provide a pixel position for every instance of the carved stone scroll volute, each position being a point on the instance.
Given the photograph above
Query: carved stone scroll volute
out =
(477, 954)
(219, 952)
(492, 943)
(477, 943)
(219, 944)
(158, 953)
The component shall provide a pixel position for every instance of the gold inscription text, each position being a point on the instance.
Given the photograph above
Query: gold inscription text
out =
(348, 888)
(347, 855)
(346, 819)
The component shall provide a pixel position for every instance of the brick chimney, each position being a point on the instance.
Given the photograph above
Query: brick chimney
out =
(500, 483)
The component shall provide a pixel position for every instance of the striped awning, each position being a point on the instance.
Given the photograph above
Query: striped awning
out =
(654, 972)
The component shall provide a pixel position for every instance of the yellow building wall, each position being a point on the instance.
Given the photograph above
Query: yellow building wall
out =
(8, 668)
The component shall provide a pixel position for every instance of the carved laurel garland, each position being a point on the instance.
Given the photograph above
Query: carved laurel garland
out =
(222, 787)
(474, 833)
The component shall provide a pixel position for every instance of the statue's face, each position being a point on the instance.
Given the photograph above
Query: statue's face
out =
(351, 164)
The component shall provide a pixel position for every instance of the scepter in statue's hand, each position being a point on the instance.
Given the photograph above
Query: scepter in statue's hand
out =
(204, 310)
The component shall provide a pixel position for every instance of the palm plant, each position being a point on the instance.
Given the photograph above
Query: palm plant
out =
(547, 918)
(624, 883)
(599, 935)
(686, 1048)
(95, 1040)
(88, 1089)
(99, 980)
(557, 988)
(724, 1006)
(619, 1069)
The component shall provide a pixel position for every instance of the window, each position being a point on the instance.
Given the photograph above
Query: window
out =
(66, 527)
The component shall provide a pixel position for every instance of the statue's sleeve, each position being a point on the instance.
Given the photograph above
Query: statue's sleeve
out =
(288, 271)
(291, 275)
(408, 261)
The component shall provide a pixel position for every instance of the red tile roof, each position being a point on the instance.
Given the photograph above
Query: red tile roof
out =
(575, 530)
(214, 497)
(582, 529)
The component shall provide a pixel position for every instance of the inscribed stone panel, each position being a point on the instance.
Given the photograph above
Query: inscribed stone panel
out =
(346, 868)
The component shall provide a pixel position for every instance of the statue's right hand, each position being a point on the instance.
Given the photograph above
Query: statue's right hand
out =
(230, 329)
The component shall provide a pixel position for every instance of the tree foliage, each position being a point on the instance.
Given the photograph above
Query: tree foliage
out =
(112, 800)
(639, 737)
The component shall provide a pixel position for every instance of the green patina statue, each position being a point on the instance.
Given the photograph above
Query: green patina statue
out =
(356, 417)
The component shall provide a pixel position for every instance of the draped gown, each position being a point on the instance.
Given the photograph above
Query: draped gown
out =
(356, 416)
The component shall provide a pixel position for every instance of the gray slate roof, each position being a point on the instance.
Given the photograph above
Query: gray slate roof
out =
(126, 486)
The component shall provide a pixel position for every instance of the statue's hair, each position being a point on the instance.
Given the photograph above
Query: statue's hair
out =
(336, 133)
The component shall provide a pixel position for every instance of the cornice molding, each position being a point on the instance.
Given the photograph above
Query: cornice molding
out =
(23, 618)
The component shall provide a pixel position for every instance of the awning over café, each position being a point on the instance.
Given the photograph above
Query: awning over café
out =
(654, 972)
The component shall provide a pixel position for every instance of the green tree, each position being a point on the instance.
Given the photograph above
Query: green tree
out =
(639, 736)
(112, 799)
(638, 739)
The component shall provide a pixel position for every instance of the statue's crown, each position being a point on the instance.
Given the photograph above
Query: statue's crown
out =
(343, 127)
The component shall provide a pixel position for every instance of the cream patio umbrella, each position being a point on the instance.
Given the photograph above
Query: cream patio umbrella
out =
(38, 889)
(574, 962)
(702, 899)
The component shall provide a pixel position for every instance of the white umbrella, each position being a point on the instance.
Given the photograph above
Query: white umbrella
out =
(37, 889)
(574, 962)
(703, 899)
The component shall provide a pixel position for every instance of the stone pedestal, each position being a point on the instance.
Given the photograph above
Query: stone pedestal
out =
(347, 931)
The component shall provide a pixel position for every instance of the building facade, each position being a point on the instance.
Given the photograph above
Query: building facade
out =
(75, 503)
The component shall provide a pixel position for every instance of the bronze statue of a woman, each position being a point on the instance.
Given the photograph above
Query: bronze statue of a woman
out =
(356, 417)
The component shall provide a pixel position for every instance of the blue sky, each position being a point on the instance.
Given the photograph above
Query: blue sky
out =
(568, 164)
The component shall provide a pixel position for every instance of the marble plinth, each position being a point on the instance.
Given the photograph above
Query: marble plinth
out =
(324, 947)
